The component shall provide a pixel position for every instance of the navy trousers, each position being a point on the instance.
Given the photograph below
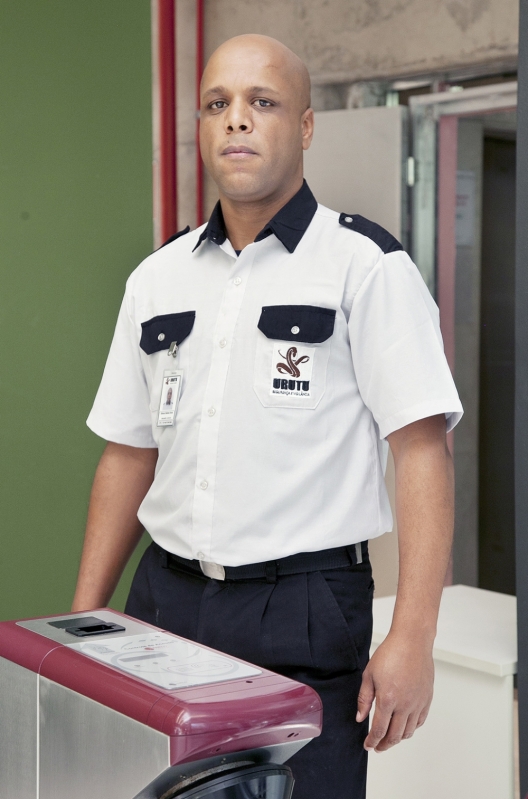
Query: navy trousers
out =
(313, 627)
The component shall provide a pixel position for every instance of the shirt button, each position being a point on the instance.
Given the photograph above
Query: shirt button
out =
(161, 337)
(295, 330)
(348, 219)
(211, 411)
(200, 556)
(204, 484)
(237, 281)
(222, 342)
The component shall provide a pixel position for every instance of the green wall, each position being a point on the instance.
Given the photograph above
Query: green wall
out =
(75, 219)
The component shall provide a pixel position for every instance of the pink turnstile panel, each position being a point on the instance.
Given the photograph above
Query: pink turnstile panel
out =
(205, 702)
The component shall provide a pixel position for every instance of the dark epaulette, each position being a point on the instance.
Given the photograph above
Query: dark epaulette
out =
(385, 240)
(176, 236)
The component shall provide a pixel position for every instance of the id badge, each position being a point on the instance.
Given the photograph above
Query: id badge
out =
(170, 396)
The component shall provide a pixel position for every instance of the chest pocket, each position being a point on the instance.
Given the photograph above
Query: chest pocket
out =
(293, 348)
(159, 337)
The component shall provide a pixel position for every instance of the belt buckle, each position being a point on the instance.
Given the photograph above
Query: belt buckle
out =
(359, 553)
(212, 570)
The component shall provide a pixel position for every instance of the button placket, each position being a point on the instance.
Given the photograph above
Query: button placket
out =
(203, 500)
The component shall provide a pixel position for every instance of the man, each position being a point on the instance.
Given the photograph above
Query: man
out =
(298, 341)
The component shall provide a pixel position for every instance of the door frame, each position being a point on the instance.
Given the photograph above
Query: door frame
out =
(434, 148)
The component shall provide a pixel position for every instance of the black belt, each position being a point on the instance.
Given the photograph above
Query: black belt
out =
(336, 558)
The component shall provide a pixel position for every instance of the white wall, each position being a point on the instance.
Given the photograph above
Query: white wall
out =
(347, 40)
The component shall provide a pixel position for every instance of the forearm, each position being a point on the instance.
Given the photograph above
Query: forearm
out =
(401, 672)
(122, 479)
(424, 511)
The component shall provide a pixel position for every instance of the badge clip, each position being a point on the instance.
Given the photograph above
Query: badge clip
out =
(173, 349)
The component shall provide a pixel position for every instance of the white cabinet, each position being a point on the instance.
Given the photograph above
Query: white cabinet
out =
(465, 748)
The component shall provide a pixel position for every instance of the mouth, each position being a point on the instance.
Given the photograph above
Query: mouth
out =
(238, 151)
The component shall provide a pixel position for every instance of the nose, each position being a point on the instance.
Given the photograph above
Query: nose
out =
(238, 117)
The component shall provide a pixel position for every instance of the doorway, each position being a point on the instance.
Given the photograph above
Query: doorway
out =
(463, 215)
(476, 262)
(497, 384)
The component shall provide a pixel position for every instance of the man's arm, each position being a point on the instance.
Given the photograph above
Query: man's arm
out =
(123, 477)
(401, 672)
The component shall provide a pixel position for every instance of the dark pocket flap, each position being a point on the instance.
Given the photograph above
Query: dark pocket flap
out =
(307, 323)
(160, 331)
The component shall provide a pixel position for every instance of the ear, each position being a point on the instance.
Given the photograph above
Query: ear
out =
(307, 127)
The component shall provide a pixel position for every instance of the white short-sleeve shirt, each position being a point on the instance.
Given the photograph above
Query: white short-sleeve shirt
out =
(299, 357)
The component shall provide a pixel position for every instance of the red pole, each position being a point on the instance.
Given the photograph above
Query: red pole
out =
(199, 70)
(447, 170)
(447, 176)
(167, 118)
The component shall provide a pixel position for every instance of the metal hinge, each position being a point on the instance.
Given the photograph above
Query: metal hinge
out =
(411, 171)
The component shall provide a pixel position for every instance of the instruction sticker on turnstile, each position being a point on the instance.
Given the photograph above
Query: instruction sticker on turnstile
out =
(167, 662)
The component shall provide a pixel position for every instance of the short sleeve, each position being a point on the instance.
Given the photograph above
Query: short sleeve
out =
(397, 348)
(121, 410)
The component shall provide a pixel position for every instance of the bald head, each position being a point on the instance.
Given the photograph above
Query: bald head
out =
(252, 47)
(255, 118)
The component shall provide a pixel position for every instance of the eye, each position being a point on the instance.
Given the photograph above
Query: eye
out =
(217, 105)
(263, 103)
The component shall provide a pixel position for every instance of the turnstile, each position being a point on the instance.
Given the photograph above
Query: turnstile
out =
(101, 705)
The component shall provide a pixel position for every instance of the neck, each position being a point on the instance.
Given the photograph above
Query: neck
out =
(245, 220)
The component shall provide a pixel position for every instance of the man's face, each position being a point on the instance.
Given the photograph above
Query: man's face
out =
(253, 124)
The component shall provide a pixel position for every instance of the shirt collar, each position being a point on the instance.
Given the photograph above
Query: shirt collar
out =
(289, 223)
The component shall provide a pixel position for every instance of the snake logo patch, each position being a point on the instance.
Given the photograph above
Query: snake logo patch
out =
(291, 370)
